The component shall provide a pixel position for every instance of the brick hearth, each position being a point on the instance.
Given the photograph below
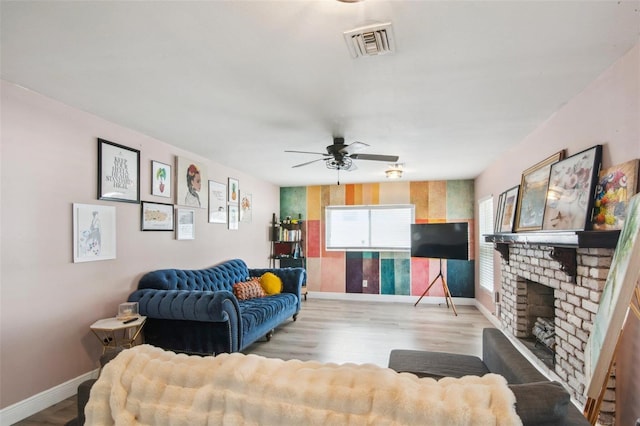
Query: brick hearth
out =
(576, 304)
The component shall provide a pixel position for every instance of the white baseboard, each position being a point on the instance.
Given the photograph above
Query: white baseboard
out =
(490, 316)
(387, 298)
(28, 407)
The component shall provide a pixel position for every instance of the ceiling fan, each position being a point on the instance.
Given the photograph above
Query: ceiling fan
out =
(340, 156)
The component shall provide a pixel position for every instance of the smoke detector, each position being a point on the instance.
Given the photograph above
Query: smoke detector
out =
(370, 40)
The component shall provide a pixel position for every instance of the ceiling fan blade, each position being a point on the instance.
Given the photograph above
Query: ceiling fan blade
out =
(354, 147)
(308, 152)
(374, 157)
(308, 162)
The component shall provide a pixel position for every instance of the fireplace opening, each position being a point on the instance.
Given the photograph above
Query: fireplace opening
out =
(537, 320)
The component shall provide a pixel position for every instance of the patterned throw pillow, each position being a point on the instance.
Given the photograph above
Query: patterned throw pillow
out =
(248, 290)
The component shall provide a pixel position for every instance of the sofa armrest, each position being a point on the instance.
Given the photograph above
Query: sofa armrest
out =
(292, 278)
(208, 306)
(541, 403)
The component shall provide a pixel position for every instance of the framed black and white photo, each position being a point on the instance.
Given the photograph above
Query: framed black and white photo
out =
(118, 172)
(156, 217)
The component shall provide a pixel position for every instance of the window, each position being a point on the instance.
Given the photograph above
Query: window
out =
(485, 225)
(365, 228)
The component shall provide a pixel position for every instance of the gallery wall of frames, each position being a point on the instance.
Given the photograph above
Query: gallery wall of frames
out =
(184, 184)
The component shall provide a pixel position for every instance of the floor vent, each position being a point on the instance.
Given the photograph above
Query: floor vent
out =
(370, 40)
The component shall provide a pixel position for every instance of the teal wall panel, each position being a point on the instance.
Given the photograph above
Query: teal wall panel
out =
(460, 196)
(293, 202)
(460, 278)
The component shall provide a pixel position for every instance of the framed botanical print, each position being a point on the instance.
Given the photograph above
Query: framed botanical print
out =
(160, 179)
(234, 191)
(571, 191)
(156, 217)
(533, 194)
(94, 232)
(246, 206)
(509, 209)
(118, 172)
(217, 202)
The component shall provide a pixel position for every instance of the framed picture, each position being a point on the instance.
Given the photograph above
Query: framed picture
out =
(234, 191)
(189, 177)
(497, 225)
(616, 185)
(217, 202)
(160, 179)
(233, 216)
(118, 172)
(615, 300)
(510, 203)
(245, 208)
(94, 232)
(533, 194)
(571, 191)
(156, 217)
(186, 224)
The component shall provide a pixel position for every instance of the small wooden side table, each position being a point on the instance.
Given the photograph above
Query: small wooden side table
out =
(114, 333)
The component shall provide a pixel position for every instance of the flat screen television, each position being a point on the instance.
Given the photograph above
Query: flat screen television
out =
(440, 240)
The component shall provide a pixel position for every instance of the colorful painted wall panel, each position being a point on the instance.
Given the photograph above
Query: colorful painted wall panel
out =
(387, 272)
(293, 202)
(460, 278)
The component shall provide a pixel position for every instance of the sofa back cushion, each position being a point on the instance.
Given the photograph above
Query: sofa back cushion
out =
(220, 277)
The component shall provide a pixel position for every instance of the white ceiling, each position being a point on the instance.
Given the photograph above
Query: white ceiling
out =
(240, 82)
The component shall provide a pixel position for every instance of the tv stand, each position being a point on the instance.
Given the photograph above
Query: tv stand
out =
(447, 293)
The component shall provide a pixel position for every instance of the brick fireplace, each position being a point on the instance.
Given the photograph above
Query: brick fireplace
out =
(572, 279)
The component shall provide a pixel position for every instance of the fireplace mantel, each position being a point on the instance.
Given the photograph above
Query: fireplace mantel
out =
(564, 243)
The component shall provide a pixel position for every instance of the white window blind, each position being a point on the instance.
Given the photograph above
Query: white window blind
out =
(362, 228)
(485, 219)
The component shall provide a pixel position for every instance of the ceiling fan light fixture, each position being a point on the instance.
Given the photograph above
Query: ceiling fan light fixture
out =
(394, 171)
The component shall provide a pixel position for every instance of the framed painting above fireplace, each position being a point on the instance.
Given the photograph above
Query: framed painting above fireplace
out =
(571, 191)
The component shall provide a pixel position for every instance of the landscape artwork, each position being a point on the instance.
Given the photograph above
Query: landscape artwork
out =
(616, 185)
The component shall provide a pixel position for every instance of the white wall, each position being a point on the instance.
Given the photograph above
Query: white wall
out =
(49, 161)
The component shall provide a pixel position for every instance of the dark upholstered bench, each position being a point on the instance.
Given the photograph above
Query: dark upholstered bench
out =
(539, 401)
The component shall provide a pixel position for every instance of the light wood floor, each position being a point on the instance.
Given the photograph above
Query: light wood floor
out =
(349, 331)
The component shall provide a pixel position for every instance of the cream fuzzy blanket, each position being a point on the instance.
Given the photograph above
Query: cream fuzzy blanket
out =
(146, 385)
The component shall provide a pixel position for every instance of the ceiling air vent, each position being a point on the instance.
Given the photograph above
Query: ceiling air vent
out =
(371, 40)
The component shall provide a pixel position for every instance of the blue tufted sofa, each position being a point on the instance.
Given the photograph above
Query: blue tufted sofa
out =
(196, 312)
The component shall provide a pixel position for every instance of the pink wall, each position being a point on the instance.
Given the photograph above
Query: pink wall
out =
(607, 112)
(49, 157)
